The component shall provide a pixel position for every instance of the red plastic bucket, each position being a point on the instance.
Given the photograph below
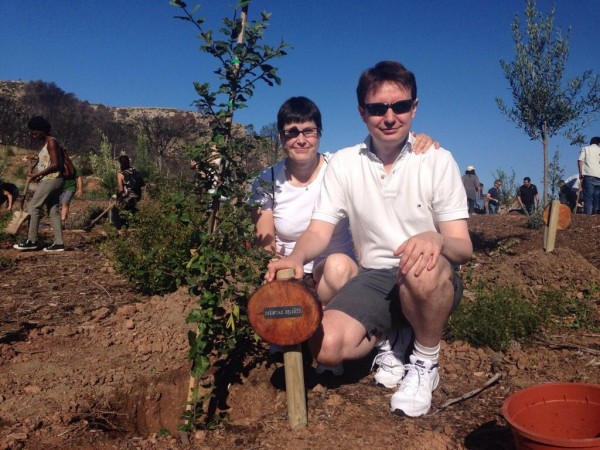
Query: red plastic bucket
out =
(555, 416)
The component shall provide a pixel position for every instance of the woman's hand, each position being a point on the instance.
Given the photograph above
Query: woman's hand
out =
(423, 143)
(283, 263)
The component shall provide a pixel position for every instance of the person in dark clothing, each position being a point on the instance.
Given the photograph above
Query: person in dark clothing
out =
(493, 197)
(8, 193)
(567, 195)
(129, 183)
(527, 195)
(471, 184)
(129, 191)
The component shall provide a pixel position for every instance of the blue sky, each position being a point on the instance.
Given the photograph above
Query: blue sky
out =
(134, 53)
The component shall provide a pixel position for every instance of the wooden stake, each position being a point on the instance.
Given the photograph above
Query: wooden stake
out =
(294, 375)
(550, 231)
(294, 386)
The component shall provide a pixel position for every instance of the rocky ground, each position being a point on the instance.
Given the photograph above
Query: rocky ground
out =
(87, 362)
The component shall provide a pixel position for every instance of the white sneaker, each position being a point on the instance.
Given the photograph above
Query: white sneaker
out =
(336, 370)
(390, 358)
(413, 398)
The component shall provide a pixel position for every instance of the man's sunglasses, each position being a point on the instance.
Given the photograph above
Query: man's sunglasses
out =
(380, 109)
(294, 132)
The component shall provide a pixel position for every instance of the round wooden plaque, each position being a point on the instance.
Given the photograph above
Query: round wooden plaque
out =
(564, 216)
(284, 312)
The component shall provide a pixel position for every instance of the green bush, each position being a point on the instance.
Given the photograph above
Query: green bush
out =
(495, 319)
(104, 165)
(154, 251)
(100, 194)
(6, 263)
(20, 172)
(560, 311)
(535, 219)
(81, 220)
(8, 151)
(553, 303)
(4, 221)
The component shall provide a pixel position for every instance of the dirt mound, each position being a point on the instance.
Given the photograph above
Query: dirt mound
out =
(536, 270)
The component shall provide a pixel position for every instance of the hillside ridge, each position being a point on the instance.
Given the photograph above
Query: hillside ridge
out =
(15, 89)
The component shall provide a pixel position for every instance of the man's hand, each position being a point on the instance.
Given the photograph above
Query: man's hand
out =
(284, 263)
(421, 251)
(423, 143)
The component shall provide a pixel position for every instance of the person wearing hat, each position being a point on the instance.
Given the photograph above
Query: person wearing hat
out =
(471, 184)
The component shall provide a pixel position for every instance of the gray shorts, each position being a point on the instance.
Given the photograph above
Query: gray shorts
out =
(65, 197)
(372, 298)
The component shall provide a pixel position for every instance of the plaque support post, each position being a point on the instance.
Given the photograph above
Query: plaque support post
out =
(294, 375)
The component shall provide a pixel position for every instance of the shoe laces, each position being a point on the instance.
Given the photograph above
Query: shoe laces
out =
(386, 361)
(416, 377)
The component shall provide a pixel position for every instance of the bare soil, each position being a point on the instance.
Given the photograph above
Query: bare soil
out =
(86, 362)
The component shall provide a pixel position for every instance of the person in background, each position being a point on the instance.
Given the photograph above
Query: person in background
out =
(527, 196)
(408, 215)
(588, 164)
(480, 201)
(9, 193)
(493, 197)
(285, 195)
(471, 183)
(49, 188)
(129, 190)
(566, 195)
(72, 186)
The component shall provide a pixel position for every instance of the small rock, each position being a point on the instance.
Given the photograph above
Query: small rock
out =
(200, 436)
(126, 311)
(334, 400)
(101, 313)
(17, 437)
(318, 389)
(32, 389)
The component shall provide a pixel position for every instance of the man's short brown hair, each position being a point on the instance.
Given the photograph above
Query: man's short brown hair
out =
(384, 71)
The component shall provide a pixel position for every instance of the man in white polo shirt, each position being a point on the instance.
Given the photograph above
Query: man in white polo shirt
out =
(407, 216)
(588, 164)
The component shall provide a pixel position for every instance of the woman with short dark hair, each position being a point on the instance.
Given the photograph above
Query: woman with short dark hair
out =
(50, 186)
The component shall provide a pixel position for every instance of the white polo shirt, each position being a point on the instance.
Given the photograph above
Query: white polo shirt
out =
(385, 210)
(590, 156)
